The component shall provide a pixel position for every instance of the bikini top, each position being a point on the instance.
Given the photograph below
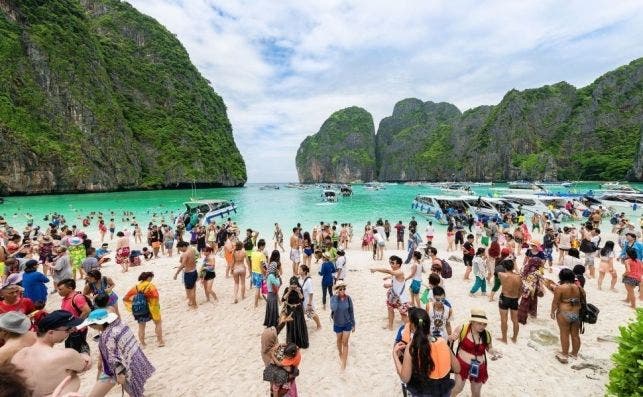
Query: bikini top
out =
(477, 349)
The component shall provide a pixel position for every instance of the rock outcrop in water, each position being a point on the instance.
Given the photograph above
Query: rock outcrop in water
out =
(552, 132)
(342, 151)
(95, 96)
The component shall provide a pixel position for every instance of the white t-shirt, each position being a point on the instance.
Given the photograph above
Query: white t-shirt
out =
(379, 237)
(430, 231)
(340, 265)
(439, 320)
(307, 289)
(569, 262)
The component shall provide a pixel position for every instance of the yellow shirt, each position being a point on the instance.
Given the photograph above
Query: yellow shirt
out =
(257, 258)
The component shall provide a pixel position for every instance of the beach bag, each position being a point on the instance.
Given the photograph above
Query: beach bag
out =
(586, 246)
(588, 312)
(447, 272)
(275, 374)
(484, 240)
(140, 309)
(425, 296)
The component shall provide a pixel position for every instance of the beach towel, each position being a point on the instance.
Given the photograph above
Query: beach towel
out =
(152, 295)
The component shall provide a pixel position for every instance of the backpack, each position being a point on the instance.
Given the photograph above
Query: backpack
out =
(87, 300)
(139, 305)
(447, 272)
(247, 244)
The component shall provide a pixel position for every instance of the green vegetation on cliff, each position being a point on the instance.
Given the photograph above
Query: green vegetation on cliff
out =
(96, 96)
(342, 151)
(551, 132)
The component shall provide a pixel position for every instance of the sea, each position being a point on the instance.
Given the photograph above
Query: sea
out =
(258, 208)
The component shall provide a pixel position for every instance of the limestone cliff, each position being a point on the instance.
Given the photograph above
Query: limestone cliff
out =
(547, 133)
(95, 96)
(342, 151)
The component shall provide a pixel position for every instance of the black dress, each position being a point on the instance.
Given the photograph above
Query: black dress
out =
(296, 330)
(272, 309)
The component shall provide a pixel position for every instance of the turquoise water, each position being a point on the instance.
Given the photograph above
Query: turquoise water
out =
(257, 209)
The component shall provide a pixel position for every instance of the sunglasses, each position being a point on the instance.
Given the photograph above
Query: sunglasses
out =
(439, 299)
(341, 289)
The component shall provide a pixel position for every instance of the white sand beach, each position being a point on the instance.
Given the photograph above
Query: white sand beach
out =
(215, 350)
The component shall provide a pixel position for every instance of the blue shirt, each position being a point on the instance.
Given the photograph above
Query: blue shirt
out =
(34, 285)
(342, 311)
(326, 271)
(638, 247)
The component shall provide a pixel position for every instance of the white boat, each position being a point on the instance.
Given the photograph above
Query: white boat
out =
(520, 187)
(374, 186)
(346, 190)
(618, 188)
(206, 211)
(456, 188)
(535, 204)
(329, 196)
(442, 207)
(621, 202)
(269, 187)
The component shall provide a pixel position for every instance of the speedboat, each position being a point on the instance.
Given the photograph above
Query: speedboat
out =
(346, 190)
(552, 206)
(269, 187)
(203, 212)
(619, 202)
(442, 207)
(521, 187)
(373, 186)
(329, 196)
(456, 188)
(618, 188)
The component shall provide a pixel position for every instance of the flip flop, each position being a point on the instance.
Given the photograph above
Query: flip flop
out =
(562, 359)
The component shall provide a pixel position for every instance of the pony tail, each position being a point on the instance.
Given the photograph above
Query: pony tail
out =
(420, 347)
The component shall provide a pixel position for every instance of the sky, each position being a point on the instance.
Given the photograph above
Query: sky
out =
(284, 66)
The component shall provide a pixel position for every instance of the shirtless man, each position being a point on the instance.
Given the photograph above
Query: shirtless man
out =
(508, 300)
(295, 255)
(46, 367)
(190, 275)
(14, 330)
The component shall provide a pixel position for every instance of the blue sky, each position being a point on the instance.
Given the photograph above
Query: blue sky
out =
(282, 67)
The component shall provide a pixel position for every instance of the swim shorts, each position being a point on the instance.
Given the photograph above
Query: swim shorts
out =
(627, 280)
(548, 253)
(342, 328)
(169, 244)
(415, 286)
(505, 303)
(190, 278)
(294, 256)
(257, 280)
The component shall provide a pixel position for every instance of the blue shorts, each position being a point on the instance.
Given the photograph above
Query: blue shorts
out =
(190, 278)
(415, 286)
(257, 280)
(343, 328)
(548, 253)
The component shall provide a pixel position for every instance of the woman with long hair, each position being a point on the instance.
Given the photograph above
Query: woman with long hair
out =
(273, 282)
(239, 271)
(632, 276)
(307, 244)
(607, 256)
(424, 363)
(565, 309)
(293, 299)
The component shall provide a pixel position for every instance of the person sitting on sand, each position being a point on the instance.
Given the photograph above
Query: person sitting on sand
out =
(423, 362)
(474, 342)
(397, 295)
(42, 358)
(511, 283)
(153, 312)
(565, 309)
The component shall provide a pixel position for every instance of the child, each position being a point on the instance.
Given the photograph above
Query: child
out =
(480, 272)
(439, 313)
(579, 272)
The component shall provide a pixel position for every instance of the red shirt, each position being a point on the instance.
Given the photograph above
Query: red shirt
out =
(79, 302)
(635, 269)
(23, 305)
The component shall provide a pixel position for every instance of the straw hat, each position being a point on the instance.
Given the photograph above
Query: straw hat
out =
(339, 284)
(534, 242)
(479, 316)
(326, 255)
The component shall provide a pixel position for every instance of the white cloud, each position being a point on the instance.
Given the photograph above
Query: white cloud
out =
(283, 67)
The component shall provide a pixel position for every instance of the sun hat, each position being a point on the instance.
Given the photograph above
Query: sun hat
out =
(479, 316)
(326, 255)
(75, 241)
(58, 318)
(340, 284)
(534, 242)
(99, 316)
(15, 322)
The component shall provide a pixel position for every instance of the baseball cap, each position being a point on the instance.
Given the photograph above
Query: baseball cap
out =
(15, 322)
(57, 319)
